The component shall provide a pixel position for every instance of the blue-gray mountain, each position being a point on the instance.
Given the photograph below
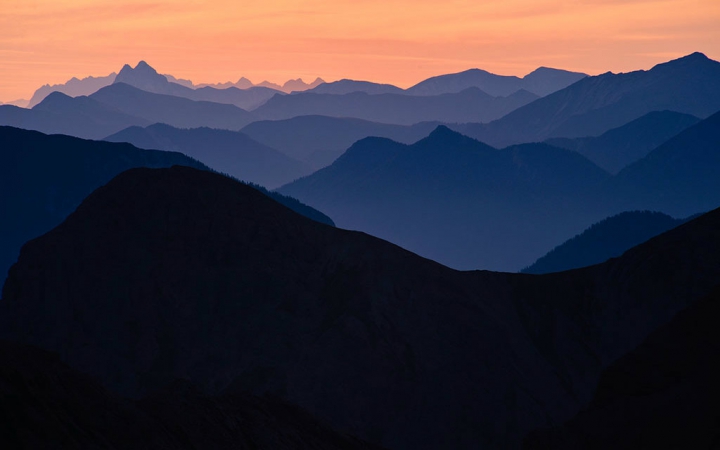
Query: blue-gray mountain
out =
(230, 152)
(458, 201)
(179, 273)
(606, 239)
(319, 140)
(118, 106)
(593, 105)
(616, 148)
(470, 206)
(44, 178)
(147, 79)
(541, 82)
(470, 105)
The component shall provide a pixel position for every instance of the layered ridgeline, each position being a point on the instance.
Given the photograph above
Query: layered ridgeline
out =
(118, 106)
(178, 273)
(470, 105)
(44, 178)
(147, 79)
(541, 82)
(663, 394)
(46, 404)
(230, 152)
(617, 148)
(593, 105)
(319, 140)
(606, 239)
(456, 200)
(465, 204)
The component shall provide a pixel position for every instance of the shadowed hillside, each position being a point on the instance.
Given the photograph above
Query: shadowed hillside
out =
(604, 240)
(167, 273)
(456, 200)
(593, 105)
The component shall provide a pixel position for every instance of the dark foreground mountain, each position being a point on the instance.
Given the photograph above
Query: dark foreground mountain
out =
(542, 81)
(606, 239)
(616, 148)
(456, 200)
(470, 105)
(319, 140)
(46, 404)
(230, 152)
(60, 114)
(44, 178)
(593, 105)
(179, 273)
(663, 394)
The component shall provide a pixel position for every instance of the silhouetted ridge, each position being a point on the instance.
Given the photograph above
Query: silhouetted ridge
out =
(178, 273)
(46, 404)
(663, 394)
(606, 239)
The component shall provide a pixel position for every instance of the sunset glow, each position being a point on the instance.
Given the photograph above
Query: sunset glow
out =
(399, 42)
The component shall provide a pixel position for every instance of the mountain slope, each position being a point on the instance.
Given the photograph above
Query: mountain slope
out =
(229, 152)
(73, 88)
(679, 177)
(457, 201)
(541, 82)
(176, 111)
(662, 394)
(689, 85)
(319, 140)
(349, 86)
(180, 273)
(616, 148)
(46, 404)
(470, 105)
(60, 114)
(606, 239)
(148, 79)
(44, 178)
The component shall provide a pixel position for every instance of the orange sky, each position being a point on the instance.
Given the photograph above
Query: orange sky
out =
(393, 41)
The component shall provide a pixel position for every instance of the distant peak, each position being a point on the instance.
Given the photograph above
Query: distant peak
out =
(443, 132)
(143, 65)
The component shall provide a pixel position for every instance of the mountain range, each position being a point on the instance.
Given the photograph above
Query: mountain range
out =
(456, 200)
(44, 178)
(319, 140)
(74, 87)
(593, 105)
(541, 82)
(230, 152)
(470, 105)
(180, 273)
(616, 148)
(465, 204)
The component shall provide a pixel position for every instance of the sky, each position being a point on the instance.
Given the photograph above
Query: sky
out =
(391, 41)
